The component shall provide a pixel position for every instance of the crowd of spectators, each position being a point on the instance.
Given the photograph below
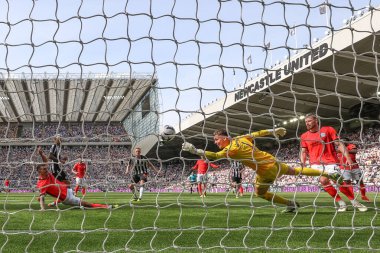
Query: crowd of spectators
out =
(107, 164)
(71, 132)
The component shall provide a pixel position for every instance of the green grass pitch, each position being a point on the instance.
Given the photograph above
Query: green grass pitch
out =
(183, 222)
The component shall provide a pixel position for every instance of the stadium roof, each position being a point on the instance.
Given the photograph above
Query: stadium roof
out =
(70, 98)
(338, 72)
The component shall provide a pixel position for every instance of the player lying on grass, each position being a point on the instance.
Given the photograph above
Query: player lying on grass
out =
(48, 184)
(267, 168)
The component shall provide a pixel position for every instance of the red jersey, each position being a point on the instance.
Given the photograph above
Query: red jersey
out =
(320, 146)
(80, 168)
(343, 161)
(6, 183)
(53, 187)
(202, 166)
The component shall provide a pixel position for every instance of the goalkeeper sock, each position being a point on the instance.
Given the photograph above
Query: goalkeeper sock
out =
(346, 189)
(141, 192)
(308, 172)
(332, 192)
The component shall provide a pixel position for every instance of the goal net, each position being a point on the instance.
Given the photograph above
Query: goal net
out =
(90, 84)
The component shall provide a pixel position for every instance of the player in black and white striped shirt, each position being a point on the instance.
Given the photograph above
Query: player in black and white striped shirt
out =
(236, 172)
(139, 165)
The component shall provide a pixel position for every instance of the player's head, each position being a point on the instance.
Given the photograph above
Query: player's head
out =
(42, 169)
(63, 159)
(311, 121)
(57, 139)
(138, 151)
(221, 138)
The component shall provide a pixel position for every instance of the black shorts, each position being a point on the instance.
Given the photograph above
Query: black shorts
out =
(236, 180)
(137, 178)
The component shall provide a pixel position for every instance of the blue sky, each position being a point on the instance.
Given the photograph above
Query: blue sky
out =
(190, 45)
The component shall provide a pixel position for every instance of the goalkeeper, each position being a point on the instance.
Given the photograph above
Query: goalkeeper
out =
(268, 169)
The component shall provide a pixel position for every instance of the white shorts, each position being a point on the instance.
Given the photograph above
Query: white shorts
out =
(329, 168)
(354, 174)
(71, 199)
(81, 182)
(201, 178)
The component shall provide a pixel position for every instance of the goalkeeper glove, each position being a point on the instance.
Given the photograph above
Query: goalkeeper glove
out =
(187, 146)
(280, 131)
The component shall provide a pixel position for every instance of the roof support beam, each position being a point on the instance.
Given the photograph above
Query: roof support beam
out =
(341, 77)
(29, 99)
(353, 56)
(10, 101)
(86, 91)
(45, 83)
(130, 84)
(310, 90)
(322, 106)
(66, 95)
(105, 94)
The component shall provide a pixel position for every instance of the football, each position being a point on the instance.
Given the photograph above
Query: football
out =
(168, 133)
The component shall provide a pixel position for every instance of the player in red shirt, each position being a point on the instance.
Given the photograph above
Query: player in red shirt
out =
(319, 144)
(79, 170)
(352, 172)
(48, 184)
(202, 166)
(6, 185)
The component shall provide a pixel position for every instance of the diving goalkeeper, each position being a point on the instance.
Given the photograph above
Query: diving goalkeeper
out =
(267, 168)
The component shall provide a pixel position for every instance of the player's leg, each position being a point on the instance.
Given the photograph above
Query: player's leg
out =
(357, 175)
(315, 172)
(347, 189)
(199, 184)
(132, 186)
(141, 192)
(363, 191)
(76, 189)
(324, 179)
(84, 188)
(262, 184)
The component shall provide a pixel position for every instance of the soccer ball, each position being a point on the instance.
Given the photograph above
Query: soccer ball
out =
(168, 133)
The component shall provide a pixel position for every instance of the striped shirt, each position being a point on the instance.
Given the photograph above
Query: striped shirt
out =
(140, 165)
(236, 169)
(54, 167)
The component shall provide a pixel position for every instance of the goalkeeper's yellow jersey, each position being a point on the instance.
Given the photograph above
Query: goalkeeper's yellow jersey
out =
(241, 148)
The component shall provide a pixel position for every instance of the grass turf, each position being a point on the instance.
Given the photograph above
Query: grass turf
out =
(173, 222)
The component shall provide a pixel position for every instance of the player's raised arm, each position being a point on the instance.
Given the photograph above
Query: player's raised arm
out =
(280, 131)
(42, 154)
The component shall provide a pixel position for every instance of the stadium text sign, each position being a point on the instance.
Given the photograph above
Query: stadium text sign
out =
(288, 69)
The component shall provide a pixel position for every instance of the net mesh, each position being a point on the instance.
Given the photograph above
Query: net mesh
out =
(198, 65)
